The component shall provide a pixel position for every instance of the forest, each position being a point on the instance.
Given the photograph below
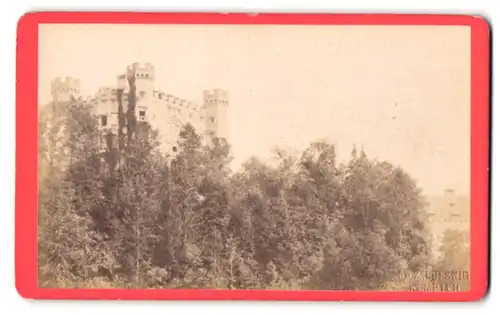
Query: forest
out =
(116, 212)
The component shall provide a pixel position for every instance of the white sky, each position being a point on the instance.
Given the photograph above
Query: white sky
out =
(402, 92)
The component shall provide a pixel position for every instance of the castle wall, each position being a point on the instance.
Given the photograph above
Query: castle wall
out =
(169, 114)
(106, 107)
(165, 112)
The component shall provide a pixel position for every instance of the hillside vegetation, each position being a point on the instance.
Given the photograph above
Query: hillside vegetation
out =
(131, 217)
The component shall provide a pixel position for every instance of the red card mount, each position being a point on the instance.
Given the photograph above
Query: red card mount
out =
(27, 140)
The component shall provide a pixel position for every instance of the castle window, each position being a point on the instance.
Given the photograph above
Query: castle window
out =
(104, 120)
(212, 119)
(142, 113)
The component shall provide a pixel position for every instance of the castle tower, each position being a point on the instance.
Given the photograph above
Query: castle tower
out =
(144, 78)
(144, 82)
(106, 108)
(63, 89)
(216, 105)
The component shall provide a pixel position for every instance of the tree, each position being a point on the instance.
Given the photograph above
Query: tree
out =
(454, 260)
(134, 206)
(69, 164)
(378, 229)
(126, 215)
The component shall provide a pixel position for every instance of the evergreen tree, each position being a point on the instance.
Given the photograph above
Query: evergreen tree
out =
(68, 186)
(128, 216)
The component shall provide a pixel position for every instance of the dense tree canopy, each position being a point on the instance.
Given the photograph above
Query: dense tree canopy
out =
(129, 216)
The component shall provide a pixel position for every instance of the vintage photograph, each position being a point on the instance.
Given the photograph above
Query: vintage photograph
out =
(270, 157)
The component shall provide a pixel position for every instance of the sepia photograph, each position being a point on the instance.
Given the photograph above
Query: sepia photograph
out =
(254, 157)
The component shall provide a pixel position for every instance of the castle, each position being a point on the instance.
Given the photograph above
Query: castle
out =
(164, 112)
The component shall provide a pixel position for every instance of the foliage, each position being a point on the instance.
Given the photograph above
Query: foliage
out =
(455, 258)
(129, 216)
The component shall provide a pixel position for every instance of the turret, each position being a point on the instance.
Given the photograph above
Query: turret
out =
(216, 105)
(144, 76)
(63, 89)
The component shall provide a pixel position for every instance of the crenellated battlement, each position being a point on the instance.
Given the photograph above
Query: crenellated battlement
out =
(146, 71)
(165, 112)
(172, 100)
(215, 96)
(63, 89)
(216, 103)
(67, 84)
(106, 91)
(106, 94)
